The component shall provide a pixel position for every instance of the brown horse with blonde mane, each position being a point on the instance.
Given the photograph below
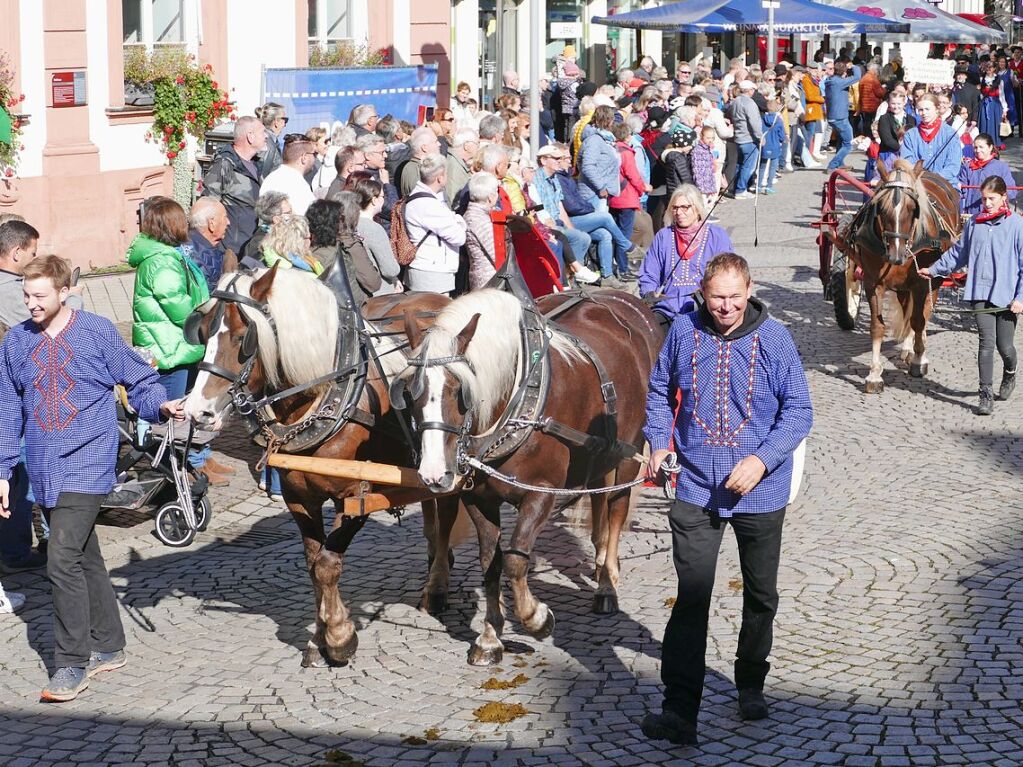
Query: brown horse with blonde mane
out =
(295, 322)
(466, 371)
(910, 221)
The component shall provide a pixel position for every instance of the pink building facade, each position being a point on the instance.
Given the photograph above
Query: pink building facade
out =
(84, 169)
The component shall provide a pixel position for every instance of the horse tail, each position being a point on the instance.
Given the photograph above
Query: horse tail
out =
(899, 326)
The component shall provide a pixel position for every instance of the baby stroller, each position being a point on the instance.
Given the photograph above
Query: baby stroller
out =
(152, 459)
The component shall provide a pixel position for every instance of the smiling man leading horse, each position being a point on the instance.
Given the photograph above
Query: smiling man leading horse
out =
(745, 408)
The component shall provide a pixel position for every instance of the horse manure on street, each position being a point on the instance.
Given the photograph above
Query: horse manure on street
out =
(735, 584)
(414, 740)
(669, 602)
(500, 713)
(504, 684)
(336, 756)
(432, 733)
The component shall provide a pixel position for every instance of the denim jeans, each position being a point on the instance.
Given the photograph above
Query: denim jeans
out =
(626, 220)
(16, 531)
(272, 480)
(768, 167)
(747, 166)
(578, 241)
(605, 233)
(843, 128)
(696, 539)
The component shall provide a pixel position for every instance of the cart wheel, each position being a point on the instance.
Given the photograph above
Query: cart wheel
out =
(203, 513)
(171, 527)
(847, 293)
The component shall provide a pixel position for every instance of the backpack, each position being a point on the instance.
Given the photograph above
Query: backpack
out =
(403, 247)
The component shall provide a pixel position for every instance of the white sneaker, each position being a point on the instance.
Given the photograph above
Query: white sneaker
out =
(11, 602)
(586, 276)
(743, 196)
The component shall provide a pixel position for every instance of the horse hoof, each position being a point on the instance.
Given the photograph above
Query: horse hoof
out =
(874, 387)
(480, 656)
(435, 604)
(605, 604)
(547, 628)
(918, 371)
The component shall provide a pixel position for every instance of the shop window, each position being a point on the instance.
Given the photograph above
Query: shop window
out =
(153, 22)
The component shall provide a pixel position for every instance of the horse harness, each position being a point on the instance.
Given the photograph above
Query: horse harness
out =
(866, 224)
(333, 408)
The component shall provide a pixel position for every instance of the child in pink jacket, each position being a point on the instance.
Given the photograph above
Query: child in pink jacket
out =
(625, 204)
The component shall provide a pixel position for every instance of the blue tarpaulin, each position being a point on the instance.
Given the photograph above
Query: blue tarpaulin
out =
(324, 96)
(800, 17)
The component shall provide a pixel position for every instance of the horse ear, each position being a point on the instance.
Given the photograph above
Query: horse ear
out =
(230, 262)
(918, 168)
(466, 334)
(413, 330)
(261, 288)
(882, 171)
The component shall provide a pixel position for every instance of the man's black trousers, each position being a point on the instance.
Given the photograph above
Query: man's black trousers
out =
(85, 617)
(696, 535)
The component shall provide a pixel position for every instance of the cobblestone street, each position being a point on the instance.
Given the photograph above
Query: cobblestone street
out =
(897, 640)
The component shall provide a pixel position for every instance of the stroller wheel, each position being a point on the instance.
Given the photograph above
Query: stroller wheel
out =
(171, 527)
(203, 513)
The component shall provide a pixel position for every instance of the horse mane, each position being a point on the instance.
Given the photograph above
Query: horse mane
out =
(305, 313)
(494, 353)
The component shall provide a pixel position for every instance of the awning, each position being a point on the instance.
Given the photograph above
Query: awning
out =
(793, 17)
(928, 24)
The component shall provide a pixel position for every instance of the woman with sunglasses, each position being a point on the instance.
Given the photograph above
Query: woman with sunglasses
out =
(673, 267)
(274, 121)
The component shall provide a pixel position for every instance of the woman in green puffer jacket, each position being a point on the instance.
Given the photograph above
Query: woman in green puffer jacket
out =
(167, 288)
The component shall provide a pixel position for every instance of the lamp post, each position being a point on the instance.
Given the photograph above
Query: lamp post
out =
(771, 6)
(536, 61)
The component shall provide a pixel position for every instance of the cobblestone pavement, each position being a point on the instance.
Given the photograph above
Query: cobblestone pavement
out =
(897, 642)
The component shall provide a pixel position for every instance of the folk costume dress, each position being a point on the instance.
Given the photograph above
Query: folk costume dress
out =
(973, 174)
(992, 106)
(939, 147)
(742, 394)
(1009, 93)
(60, 391)
(689, 249)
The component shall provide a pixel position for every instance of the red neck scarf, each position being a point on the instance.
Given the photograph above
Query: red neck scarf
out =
(976, 164)
(685, 240)
(1002, 211)
(928, 132)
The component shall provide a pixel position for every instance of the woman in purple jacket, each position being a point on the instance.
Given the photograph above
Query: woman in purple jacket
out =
(674, 264)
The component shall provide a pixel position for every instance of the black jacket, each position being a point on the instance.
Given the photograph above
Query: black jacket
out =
(229, 181)
(889, 135)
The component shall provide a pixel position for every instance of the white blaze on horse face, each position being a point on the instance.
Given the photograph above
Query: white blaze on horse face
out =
(433, 469)
(198, 407)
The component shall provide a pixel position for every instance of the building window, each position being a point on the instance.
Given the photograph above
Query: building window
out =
(153, 22)
(330, 21)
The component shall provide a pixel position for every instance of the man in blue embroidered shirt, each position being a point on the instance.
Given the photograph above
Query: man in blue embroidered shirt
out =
(57, 374)
(745, 408)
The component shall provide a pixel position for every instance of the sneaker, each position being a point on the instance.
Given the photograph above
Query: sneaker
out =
(31, 561)
(743, 196)
(276, 497)
(752, 704)
(105, 661)
(586, 276)
(986, 406)
(1008, 384)
(11, 602)
(612, 282)
(65, 684)
(627, 277)
(671, 727)
(769, 190)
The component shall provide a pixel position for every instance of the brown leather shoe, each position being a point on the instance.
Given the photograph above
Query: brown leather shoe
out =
(215, 477)
(220, 468)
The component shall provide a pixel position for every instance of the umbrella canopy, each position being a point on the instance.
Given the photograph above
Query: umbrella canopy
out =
(793, 17)
(928, 24)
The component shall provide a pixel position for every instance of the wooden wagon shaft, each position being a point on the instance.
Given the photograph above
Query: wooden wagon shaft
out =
(382, 473)
(385, 498)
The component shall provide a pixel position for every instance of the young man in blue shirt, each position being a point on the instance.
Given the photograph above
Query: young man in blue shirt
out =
(57, 374)
(745, 408)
